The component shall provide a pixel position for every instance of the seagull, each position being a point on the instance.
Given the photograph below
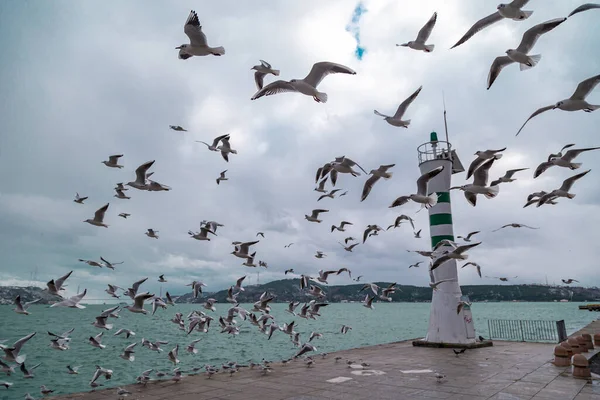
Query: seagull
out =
(121, 195)
(584, 7)
(314, 217)
(569, 281)
(124, 215)
(456, 254)
(468, 237)
(349, 248)
(44, 390)
(91, 263)
(127, 332)
(138, 303)
(202, 235)
(79, 199)
(6, 384)
(238, 284)
(479, 185)
(225, 149)
(291, 271)
(483, 156)
(250, 261)
(151, 233)
(123, 392)
(242, 249)
(127, 354)
(73, 370)
(371, 228)
(22, 308)
(421, 196)
(196, 288)
(260, 234)
(475, 265)
(507, 176)
(422, 36)
(514, 225)
(368, 302)
(98, 219)
(198, 45)
(321, 187)
(345, 329)
(323, 275)
(11, 353)
(434, 285)
(113, 161)
(348, 239)
(161, 278)
(173, 355)
(222, 177)
(110, 265)
(213, 146)
(563, 191)
(100, 323)
(519, 55)
(96, 341)
(511, 10)
(343, 165)
(261, 70)
(331, 194)
(56, 285)
(308, 85)
(141, 175)
(562, 161)
(535, 197)
(71, 302)
(399, 220)
(341, 227)
(377, 174)
(418, 234)
(177, 128)
(396, 120)
(574, 103)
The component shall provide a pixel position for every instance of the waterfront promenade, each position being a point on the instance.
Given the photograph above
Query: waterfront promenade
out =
(508, 370)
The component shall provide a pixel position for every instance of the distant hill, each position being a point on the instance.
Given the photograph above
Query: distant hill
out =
(29, 293)
(289, 289)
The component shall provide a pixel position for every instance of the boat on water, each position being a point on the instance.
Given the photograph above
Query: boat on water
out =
(563, 301)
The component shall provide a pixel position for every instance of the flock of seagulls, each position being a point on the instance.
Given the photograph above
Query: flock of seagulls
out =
(199, 321)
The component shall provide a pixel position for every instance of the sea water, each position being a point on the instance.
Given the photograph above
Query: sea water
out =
(388, 322)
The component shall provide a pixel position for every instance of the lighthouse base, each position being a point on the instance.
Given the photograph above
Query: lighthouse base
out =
(473, 345)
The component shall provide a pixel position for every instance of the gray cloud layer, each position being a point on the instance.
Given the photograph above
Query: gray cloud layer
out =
(82, 81)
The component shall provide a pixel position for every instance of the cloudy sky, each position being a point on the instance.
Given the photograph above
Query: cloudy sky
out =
(83, 80)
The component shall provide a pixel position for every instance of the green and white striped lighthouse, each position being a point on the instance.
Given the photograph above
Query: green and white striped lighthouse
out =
(445, 325)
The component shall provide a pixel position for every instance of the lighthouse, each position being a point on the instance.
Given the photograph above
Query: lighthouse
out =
(447, 328)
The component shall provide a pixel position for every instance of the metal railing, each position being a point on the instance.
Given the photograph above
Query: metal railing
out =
(527, 330)
(434, 150)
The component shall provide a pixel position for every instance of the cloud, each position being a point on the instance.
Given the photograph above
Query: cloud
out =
(105, 82)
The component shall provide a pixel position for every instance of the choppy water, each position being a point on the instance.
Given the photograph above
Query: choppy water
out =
(387, 323)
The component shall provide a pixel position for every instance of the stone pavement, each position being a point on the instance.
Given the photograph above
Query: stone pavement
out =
(507, 371)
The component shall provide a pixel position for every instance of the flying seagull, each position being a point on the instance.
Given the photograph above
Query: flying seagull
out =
(511, 10)
(562, 161)
(563, 191)
(483, 156)
(479, 185)
(261, 70)
(399, 220)
(198, 45)
(569, 281)
(376, 174)
(475, 265)
(151, 233)
(520, 54)
(421, 196)
(21, 308)
(314, 216)
(113, 161)
(422, 36)
(508, 176)
(177, 128)
(98, 219)
(141, 175)
(225, 148)
(308, 85)
(215, 143)
(574, 103)
(396, 120)
(468, 237)
(222, 177)
(341, 227)
(514, 225)
(456, 254)
(79, 199)
(349, 248)
(584, 7)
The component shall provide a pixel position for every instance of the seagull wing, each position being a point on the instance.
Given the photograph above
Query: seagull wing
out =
(585, 87)
(424, 180)
(480, 177)
(274, 88)
(511, 172)
(258, 79)
(193, 30)
(439, 261)
(19, 343)
(99, 214)
(568, 183)
(400, 201)
(315, 213)
(474, 165)
(542, 110)
(216, 140)
(114, 158)
(518, 3)
(321, 69)
(368, 186)
(425, 31)
(532, 34)
(380, 114)
(265, 64)
(471, 198)
(542, 168)
(479, 25)
(497, 66)
(584, 7)
(140, 172)
(465, 247)
(404, 105)
(571, 154)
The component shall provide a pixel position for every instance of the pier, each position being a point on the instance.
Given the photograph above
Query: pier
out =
(508, 370)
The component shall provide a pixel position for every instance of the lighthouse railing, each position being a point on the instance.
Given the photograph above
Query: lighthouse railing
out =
(434, 151)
